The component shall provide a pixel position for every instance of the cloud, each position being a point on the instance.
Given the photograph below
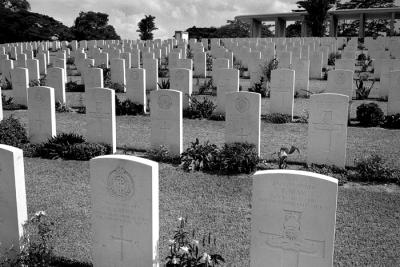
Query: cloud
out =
(171, 15)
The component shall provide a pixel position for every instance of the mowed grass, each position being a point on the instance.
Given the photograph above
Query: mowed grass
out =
(367, 232)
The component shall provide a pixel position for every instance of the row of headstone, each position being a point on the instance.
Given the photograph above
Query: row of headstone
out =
(293, 212)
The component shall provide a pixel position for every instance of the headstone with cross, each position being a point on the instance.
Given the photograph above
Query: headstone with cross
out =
(166, 120)
(293, 219)
(41, 115)
(282, 91)
(13, 209)
(125, 216)
(100, 115)
(327, 129)
(243, 114)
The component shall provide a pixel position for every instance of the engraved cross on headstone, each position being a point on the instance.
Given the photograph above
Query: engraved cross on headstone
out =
(328, 126)
(121, 238)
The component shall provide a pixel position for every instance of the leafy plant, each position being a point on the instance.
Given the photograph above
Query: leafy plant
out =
(72, 86)
(365, 64)
(209, 62)
(62, 108)
(70, 61)
(332, 58)
(13, 133)
(199, 109)
(36, 243)
(161, 154)
(392, 121)
(260, 87)
(369, 114)
(208, 88)
(70, 146)
(8, 103)
(372, 168)
(200, 157)
(184, 251)
(127, 107)
(5, 83)
(163, 72)
(362, 91)
(165, 84)
(277, 118)
(217, 117)
(267, 69)
(283, 155)
(40, 82)
(238, 158)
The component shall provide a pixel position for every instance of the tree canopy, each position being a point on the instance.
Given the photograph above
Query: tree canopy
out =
(146, 27)
(93, 26)
(15, 5)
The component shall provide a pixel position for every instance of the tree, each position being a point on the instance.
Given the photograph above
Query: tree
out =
(146, 26)
(294, 30)
(372, 27)
(93, 26)
(15, 5)
(317, 13)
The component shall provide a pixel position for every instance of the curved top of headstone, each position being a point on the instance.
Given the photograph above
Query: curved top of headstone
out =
(134, 159)
(296, 173)
(330, 96)
(11, 149)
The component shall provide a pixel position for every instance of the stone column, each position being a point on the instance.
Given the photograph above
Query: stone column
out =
(333, 26)
(305, 29)
(392, 22)
(361, 32)
(256, 28)
(280, 27)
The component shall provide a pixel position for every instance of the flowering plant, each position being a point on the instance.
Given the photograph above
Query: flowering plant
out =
(185, 251)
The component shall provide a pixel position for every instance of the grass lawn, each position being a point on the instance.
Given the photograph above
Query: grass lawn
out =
(367, 231)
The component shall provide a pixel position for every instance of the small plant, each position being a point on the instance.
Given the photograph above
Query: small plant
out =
(267, 69)
(325, 74)
(199, 109)
(365, 64)
(332, 58)
(362, 57)
(209, 62)
(363, 91)
(127, 107)
(238, 158)
(70, 61)
(62, 107)
(207, 88)
(185, 252)
(283, 155)
(161, 154)
(8, 103)
(392, 121)
(200, 157)
(13, 133)
(369, 115)
(70, 146)
(372, 168)
(217, 117)
(277, 118)
(72, 86)
(36, 243)
(118, 87)
(162, 73)
(189, 53)
(40, 82)
(5, 83)
(165, 84)
(260, 87)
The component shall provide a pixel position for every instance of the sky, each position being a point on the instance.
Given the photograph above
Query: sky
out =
(171, 15)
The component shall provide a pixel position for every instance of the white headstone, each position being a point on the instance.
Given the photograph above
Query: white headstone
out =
(20, 84)
(118, 71)
(13, 209)
(94, 78)
(316, 65)
(33, 68)
(282, 91)
(55, 78)
(227, 81)
(293, 219)
(394, 93)
(182, 80)
(340, 82)
(125, 211)
(327, 129)
(166, 120)
(136, 86)
(243, 118)
(200, 66)
(100, 115)
(41, 114)
(302, 74)
(151, 67)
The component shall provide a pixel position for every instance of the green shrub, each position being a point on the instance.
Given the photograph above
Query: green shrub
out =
(161, 154)
(62, 108)
(238, 158)
(362, 92)
(277, 118)
(118, 87)
(5, 84)
(217, 117)
(74, 87)
(70, 146)
(40, 82)
(70, 61)
(332, 58)
(362, 57)
(267, 69)
(392, 121)
(199, 109)
(200, 157)
(207, 88)
(372, 168)
(8, 103)
(369, 114)
(127, 107)
(260, 87)
(163, 73)
(165, 84)
(209, 62)
(13, 133)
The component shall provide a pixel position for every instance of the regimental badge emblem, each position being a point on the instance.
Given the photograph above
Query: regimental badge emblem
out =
(242, 104)
(164, 101)
(120, 184)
